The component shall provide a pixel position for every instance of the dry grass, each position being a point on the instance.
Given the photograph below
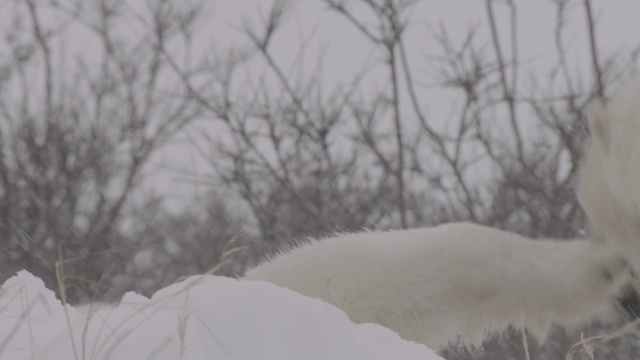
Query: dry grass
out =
(587, 345)
(116, 333)
(525, 342)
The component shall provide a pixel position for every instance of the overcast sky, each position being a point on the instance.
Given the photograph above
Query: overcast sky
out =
(345, 50)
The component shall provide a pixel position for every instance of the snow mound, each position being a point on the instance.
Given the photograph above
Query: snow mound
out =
(202, 317)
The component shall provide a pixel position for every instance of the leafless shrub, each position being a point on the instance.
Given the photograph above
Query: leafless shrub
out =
(76, 139)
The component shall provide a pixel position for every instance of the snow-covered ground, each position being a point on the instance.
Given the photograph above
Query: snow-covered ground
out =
(203, 317)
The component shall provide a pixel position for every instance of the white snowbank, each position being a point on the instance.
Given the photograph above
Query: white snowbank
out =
(203, 317)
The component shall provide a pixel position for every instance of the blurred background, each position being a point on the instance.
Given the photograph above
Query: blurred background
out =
(146, 140)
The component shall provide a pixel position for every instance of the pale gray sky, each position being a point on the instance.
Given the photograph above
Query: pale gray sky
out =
(345, 50)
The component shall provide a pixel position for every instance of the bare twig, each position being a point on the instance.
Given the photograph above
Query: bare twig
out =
(506, 90)
(594, 51)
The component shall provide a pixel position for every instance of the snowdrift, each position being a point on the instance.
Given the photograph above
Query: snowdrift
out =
(202, 317)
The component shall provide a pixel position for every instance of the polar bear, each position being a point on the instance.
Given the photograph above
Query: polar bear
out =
(435, 284)
(609, 181)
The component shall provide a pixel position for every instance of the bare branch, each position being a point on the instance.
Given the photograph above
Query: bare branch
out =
(594, 51)
(506, 91)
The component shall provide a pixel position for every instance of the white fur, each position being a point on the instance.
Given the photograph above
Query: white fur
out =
(432, 284)
(609, 186)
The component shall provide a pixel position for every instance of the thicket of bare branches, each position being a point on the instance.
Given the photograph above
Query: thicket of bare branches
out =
(309, 161)
(76, 134)
(77, 137)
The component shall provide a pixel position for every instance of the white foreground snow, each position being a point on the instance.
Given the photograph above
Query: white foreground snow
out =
(203, 317)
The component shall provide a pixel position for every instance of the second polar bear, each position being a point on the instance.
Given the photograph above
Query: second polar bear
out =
(609, 182)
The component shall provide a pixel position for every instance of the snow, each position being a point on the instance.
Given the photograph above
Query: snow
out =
(202, 317)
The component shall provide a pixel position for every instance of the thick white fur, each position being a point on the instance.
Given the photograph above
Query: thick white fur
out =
(433, 284)
(609, 183)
